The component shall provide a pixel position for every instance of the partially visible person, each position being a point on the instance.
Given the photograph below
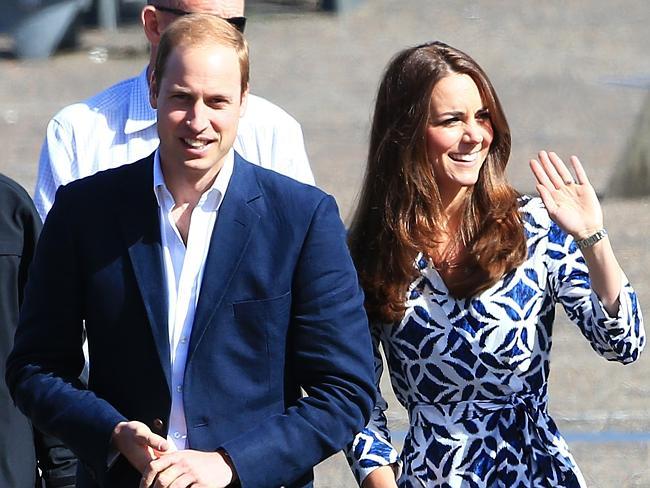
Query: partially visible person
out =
(19, 229)
(118, 126)
(213, 292)
(462, 274)
(20, 225)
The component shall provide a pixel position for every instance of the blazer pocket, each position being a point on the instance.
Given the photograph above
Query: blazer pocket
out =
(263, 324)
(266, 311)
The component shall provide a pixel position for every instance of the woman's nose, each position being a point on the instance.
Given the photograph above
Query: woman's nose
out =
(473, 133)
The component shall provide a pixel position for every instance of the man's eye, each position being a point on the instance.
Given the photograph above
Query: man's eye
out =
(218, 103)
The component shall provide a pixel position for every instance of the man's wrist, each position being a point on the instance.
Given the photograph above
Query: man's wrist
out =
(227, 459)
(113, 451)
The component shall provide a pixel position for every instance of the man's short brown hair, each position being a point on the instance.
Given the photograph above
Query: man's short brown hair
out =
(201, 30)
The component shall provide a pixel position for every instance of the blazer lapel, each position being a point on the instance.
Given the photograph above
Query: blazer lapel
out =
(141, 229)
(232, 232)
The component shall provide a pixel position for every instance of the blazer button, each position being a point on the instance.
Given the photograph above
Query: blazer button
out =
(158, 425)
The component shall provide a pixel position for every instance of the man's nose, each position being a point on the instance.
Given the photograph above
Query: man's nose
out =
(197, 119)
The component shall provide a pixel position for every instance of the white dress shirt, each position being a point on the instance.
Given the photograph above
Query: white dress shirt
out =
(184, 267)
(118, 126)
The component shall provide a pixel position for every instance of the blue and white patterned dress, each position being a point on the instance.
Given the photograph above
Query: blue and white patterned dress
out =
(473, 373)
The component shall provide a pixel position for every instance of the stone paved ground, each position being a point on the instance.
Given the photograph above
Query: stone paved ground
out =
(570, 75)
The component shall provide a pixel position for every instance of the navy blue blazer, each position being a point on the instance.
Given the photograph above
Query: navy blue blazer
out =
(279, 309)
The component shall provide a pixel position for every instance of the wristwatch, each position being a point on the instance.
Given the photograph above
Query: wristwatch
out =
(591, 240)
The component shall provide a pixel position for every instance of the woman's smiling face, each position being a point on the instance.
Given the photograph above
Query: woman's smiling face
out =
(459, 134)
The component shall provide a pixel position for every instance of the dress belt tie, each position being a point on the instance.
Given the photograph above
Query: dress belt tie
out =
(538, 432)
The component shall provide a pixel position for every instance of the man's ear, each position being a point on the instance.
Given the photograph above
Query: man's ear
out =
(243, 102)
(153, 91)
(150, 24)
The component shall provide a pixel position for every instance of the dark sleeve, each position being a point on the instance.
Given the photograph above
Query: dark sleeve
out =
(330, 351)
(18, 231)
(31, 229)
(57, 463)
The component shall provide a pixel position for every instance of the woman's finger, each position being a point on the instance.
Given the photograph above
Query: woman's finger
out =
(550, 170)
(581, 174)
(540, 175)
(547, 198)
(562, 171)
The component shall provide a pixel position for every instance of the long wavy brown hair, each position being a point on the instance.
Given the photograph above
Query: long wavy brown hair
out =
(400, 212)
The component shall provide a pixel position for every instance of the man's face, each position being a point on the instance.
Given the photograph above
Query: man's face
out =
(199, 104)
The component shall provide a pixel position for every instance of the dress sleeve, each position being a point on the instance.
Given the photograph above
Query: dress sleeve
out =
(372, 448)
(617, 338)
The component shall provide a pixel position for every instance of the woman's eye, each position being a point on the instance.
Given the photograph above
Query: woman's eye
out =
(451, 121)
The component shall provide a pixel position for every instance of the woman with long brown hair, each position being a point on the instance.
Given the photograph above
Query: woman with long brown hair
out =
(461, 275)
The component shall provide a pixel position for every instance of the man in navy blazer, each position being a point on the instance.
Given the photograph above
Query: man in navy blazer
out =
(211, 290)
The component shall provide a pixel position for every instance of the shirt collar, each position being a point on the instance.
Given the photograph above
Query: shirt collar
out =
(210, 200)
(141, 114)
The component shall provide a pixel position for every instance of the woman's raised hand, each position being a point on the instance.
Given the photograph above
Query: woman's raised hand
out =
(571, 203)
